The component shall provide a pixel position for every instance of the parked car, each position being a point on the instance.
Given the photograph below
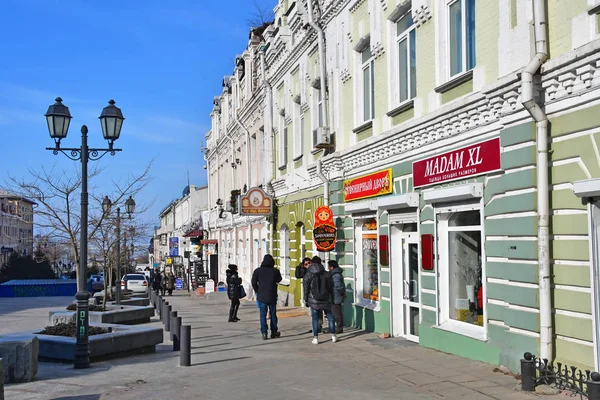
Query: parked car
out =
(95, 283)
(137, 283)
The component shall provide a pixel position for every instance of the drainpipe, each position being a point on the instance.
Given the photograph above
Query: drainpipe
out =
(539, 21)
(268, 119)
(325, 182)
(321, 44)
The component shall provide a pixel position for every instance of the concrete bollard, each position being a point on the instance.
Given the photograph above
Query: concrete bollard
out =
(173, 316)
(168, 308)
(185, 355)
(161, 304)
(176, 333)
(164, 313)
(2, 380)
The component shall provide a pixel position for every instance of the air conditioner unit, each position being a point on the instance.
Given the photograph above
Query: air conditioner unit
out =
(321, 138)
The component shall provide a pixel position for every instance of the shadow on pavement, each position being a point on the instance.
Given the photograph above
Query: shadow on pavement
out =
(220, 361)
(211, 345)
(80, 397)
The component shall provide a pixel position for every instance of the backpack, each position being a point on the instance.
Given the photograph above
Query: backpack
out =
(319, 287)
(300, 271)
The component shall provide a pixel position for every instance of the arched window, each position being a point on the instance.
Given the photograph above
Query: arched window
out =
(284, 252)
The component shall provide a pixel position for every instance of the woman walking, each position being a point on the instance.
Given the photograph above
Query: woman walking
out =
(170, 283)
(233, 291)
(339, 294)
(163, 283)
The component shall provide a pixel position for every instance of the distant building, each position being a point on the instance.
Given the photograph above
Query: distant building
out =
(16, 225)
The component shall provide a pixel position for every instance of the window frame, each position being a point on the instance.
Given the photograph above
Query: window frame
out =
(442, 268)
(364, 65)
(465, 68)
(282, 159)
(284, 254)
(359, 300)
(411, 44)
(298, 132)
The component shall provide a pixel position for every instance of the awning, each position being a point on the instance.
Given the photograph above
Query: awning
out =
(194, 233)
(209, 241)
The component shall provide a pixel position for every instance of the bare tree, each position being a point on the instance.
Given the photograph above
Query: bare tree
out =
(260, 16)
(58, 193)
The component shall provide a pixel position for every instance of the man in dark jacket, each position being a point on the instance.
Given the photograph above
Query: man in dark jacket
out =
(264, 282)
(339, 293)
(318, 295)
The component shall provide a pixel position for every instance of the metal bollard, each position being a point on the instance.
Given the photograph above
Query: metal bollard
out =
(528, 374)
(161, 303)
(1, 380)
(185, 355)
(164, 313)
(168, 317)
(173, 316)
(176, 333)
(593, 386)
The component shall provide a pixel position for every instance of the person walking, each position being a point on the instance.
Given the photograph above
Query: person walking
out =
(318, 295)
(339, 294)
(264, 282)
(163, 283)
(299, 273)
(156, 281)
(233, 291)
(170, 283)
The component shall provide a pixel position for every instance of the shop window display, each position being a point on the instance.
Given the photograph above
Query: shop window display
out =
(465, 267)
(369, 260)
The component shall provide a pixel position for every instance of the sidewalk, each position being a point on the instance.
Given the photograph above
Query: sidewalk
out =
(231, 361)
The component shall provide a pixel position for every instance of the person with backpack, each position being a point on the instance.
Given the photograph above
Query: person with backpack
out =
(264, 282)
(318, 295)
(339, 294)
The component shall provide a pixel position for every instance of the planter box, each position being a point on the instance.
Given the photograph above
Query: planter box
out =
(126, 315)
(123, 341)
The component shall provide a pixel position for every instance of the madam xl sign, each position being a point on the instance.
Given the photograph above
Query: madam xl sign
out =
(462, 163)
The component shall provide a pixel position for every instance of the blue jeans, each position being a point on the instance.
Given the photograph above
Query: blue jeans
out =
(272, 309)
(315, 321)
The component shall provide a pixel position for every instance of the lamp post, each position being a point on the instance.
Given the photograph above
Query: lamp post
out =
(129, 208)
(58, 118)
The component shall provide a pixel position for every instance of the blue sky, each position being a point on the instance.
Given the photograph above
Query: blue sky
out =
(162, 61)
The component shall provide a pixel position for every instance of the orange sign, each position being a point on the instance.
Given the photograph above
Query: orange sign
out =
(376, 184)
(324, 230)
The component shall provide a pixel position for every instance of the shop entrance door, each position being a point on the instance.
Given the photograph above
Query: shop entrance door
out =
(405, 281)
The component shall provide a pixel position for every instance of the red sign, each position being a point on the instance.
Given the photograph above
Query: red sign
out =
(372, 185)
(324, 230)
(427, 261)
(469, 161)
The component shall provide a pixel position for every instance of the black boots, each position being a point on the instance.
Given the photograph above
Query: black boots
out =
(233, 310)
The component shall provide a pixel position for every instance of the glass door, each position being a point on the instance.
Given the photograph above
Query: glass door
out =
(411, 307)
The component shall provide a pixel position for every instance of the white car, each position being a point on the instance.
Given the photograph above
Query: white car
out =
(137, 283)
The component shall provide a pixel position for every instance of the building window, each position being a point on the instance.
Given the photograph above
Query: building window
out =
(283, 142)
(367, 285)
(407, 58)
(298, 131)
(368, 90)
(461, 267)
(461, 35)
(284, 256)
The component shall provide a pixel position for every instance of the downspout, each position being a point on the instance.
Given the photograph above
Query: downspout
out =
(544, 277)
(321, 45)
(269, 131)
(325, 181)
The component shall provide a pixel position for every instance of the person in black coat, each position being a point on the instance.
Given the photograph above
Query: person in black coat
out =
(339, 293)
(156, 281)
(318, 295)
(264, 282)
(233, 291)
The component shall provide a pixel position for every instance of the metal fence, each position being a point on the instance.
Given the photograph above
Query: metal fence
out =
(536, 371)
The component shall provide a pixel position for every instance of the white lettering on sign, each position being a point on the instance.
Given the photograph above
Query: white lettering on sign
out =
(369, 244)
(453, 162)
(360, 187)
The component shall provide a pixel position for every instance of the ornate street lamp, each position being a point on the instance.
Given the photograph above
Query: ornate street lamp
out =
(58, 118)
(130, 206)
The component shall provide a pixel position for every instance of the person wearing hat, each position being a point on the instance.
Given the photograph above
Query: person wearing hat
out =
(233, 291)
(264, 282)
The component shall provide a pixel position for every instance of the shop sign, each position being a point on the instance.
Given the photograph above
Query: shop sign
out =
(376, 184)
(469, 161)
(174, 246)
(256, 202)
(324, 230)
